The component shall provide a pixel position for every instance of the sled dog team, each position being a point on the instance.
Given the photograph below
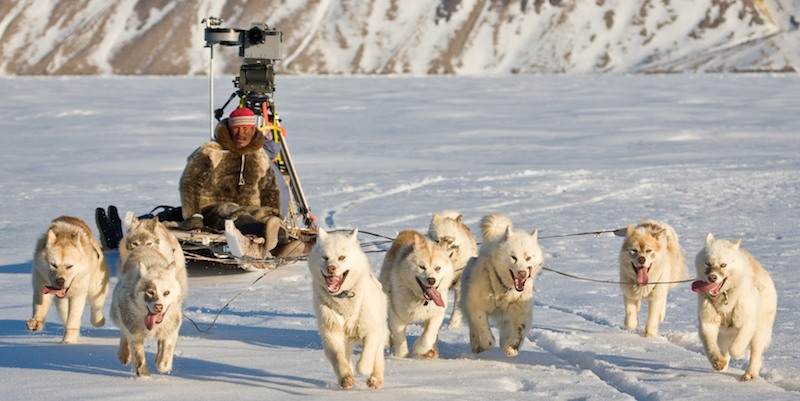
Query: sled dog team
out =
(736, 307)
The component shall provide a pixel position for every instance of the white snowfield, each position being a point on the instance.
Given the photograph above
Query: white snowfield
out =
(564, 154)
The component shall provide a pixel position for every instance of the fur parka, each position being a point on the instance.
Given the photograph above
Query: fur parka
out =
(218, 173)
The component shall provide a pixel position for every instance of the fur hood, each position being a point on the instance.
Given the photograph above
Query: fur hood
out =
(219, 173)
(223, 136)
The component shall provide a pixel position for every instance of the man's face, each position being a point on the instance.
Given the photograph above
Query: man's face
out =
(242, 135)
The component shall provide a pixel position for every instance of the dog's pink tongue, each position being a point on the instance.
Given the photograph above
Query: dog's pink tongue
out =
(519, 283)
(641, 276)
(433, 294)
(333, 283)
(702, 286)
(58, 292)
(152, 319)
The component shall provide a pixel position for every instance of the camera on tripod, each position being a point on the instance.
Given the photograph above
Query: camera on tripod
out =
(260, 48)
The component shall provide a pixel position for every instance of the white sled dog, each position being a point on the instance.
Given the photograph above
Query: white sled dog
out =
(499, 284)
(350, 306)
(650, 254)
(736, 305)
(147, 303)
(68, 265)
(154, 234)
(416, 275)
(447, 228)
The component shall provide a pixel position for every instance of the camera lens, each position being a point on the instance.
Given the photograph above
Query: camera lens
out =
(255, 35)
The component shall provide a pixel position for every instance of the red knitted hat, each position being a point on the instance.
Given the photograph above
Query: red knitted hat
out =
(242, 117)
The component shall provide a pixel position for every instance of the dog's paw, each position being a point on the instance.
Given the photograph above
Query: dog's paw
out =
(35, 325)
(374, 382)
(477, 349)
(719, 364)
(747, 376)
(347, 382)
(71, 336)
(511, 351)
(431, 354)
(99, 322)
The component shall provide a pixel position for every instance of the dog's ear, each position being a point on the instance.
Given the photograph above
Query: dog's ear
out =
(129, 220)
(459, 218)
(354, 234)
(507, 233)
(436, 217)
(630, 229)
(535, 234)
(737, 243)
(709, 239)
(658, 233)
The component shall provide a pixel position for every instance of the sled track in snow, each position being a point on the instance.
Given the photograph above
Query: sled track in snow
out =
(630, 372)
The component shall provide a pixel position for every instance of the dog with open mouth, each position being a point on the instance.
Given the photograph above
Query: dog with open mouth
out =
(448, 228)
(68, 266)
(416, 276)
(498, 284)
(350, 307)
(147, 303)
(651, 262)
(736, 305)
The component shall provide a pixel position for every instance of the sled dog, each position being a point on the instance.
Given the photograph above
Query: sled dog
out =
(152, 233)
(416, 275)
(650, 254)
(147, 303)
(498, 284)
(350, 307)
(736, 305)
(68, 265)
(447, 228)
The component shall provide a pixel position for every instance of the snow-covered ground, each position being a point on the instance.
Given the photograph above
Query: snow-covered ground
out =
(565, 154)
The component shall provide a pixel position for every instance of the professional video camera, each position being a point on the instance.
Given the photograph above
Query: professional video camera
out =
(260, 48)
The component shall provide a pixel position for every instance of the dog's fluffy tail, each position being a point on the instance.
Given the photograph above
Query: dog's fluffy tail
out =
(494, 225)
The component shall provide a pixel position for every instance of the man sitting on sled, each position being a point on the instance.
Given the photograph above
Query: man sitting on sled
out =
(230, 178)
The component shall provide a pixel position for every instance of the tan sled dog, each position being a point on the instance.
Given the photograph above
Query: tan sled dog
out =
(650, 254)
(416, 275)
(68, 265)
(152, 233)
(147, 303)
(736, 305)
(350, 307)
(447, 228)
(499, 285)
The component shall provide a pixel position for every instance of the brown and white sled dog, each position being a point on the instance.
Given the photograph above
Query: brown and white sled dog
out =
(68, 265)
(650, 254)
(736, 305)
(350, 307)
(152, 233)
(447, 228)
(499, 285)
(416, 276)
(147, 303)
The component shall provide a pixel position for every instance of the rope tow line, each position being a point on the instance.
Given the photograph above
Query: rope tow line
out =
(612, 281)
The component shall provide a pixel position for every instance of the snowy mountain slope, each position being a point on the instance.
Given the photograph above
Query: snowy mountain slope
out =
(421, 37)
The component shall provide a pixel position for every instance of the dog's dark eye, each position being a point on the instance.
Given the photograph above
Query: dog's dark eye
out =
(648, 251)
(166, 293)
(438, 268)
(708, 264)
(69, 267)
(527, 258)
(341, 258)
(53, 266)
(325, 258)
(422, 267)
(514, 258)
(723, 265)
